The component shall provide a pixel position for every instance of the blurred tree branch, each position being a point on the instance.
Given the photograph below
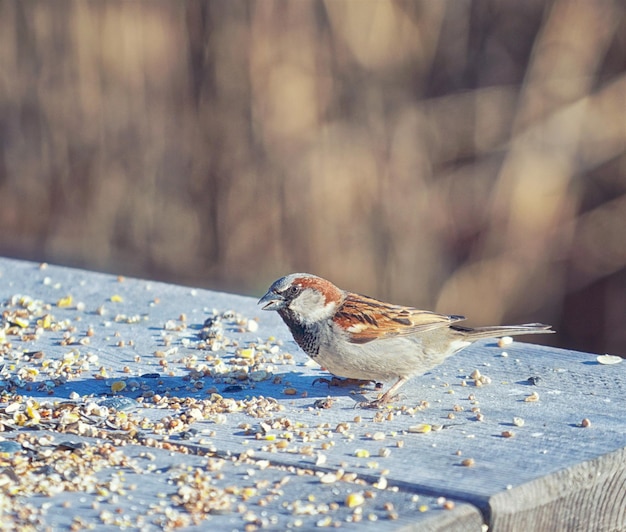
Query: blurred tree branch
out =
(468, 156)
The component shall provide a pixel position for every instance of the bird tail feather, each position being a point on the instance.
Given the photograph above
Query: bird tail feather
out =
(498, 331)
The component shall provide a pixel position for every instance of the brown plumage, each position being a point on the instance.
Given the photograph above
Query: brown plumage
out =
(359, 337)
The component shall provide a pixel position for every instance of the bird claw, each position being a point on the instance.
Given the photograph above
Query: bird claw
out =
(324, 403)
(369, 404)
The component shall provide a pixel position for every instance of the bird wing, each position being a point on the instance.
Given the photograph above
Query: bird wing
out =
(366, 319)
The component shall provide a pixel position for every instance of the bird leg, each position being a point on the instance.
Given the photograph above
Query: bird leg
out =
(387, 397)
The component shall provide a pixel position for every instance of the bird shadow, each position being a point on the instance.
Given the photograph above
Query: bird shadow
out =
(282, 386)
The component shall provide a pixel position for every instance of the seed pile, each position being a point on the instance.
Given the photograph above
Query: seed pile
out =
(80, 444)
(237, 491)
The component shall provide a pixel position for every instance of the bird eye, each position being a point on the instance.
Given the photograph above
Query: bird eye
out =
(293, 290)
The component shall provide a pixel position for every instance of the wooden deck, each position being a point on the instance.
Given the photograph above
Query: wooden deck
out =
(130, 409)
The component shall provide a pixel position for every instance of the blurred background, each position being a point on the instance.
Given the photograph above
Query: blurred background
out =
(465, 157)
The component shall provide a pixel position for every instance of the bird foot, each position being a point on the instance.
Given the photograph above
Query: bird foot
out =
(383, 400)
(377, 403)
(341, 383)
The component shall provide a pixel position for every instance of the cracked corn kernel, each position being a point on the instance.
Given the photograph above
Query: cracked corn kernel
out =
(247, 353)
(422, 428)
(354, 499)
(21, 322)
(64, 302)
(324, 522)
(361, 453)
(45, 321)
(518, 421)
(32, 411)
(116, 298)
(532, 398)
(468, 462)
(381, 484)
(118, 386)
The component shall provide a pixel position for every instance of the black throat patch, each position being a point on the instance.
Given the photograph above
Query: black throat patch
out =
(306, 337)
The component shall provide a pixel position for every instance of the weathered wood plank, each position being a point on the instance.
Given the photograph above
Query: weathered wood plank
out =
(551, 470)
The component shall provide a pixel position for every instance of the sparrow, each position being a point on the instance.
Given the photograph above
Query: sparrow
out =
(361, 338)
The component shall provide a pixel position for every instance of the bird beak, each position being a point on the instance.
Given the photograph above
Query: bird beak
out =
(272, 301)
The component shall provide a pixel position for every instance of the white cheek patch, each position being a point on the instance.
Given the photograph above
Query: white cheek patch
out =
(311, 307)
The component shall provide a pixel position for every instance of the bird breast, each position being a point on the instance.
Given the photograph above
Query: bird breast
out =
(381, 360)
